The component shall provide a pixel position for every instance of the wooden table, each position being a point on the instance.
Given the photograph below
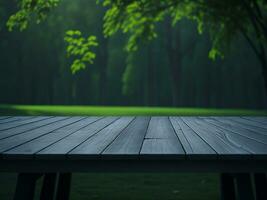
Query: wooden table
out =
(54, 147)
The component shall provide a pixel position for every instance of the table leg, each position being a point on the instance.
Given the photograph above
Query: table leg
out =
(244, 186)
(227, 186)
(63, 187)
(260, 180)
(25, 186)
(48, 188)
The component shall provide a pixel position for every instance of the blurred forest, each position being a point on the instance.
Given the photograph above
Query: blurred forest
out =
(35, 68)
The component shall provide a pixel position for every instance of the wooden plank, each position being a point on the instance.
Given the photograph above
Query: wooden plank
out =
(4, 117)
(27, 150)
(160, 128)
(162, 148)
(61, 148)
(49, 186)
(14, 124)
(11, 142)
(129, 142)
(227, 186)
(244, 186)
(63, 186)
(12, 119)
(28, 127)
(250, 125)
(237, 141)
(221, 144)
(25, 186)
(195, 147)
(260, 181)
(234, 127)
(161, 140)
(96, 144)
(257, 149)
(99, 165)
(262, 120)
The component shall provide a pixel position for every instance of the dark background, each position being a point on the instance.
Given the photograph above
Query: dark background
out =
(35, 69)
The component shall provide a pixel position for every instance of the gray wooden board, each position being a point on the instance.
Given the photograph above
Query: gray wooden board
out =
(27, 127)
(160, 128)
(27, 150)
(62, 147)
(262, 120)
(20, 123)
(98, 142)
(161, 139)
(235, 140)
(162, 148)
(12, 119)
(194, 145)
(247, 143)
(220, 144)
(129, 142)
(16, 140)
(133, 137)
(251, 125)
(4, 117)
(238, 142)
(235, 127)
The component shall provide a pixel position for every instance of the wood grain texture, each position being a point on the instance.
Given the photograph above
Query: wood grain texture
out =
(96, 144)
(161, 140)
(190, 138)
(160, 128)
(234, 127)
(13, 119)
(27, 127)
(162, 148)
(249, 125)
(59, 149)
(257, 148)
(217, 140)
(4, 117)
(27, 150)
(20, 123)
(194, 145)
(11, 142)
(262, 120)
(130, 140)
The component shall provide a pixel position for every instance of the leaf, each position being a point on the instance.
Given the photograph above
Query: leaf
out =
(80, 48)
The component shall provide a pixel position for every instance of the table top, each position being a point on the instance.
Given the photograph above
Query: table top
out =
(133, 138)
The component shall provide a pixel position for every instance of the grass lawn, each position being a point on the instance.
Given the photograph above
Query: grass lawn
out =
(133, 186)
(109, 110)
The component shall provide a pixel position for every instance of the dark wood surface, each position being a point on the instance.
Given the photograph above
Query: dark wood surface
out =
(182, 139)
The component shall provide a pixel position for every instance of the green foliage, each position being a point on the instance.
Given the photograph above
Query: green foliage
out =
(80, 48)
(222, 19)
(138, 18)
(30, 8)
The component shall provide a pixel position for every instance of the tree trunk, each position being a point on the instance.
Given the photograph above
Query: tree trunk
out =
(260, 29)
(103, 71)
(150, 76)
(20, 83)
(264, 73)
(174, 54)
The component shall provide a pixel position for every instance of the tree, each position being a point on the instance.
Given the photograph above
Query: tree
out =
(224, 20)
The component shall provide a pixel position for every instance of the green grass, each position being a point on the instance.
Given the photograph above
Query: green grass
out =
(135, 186)
(109, 110)
(128, 186)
